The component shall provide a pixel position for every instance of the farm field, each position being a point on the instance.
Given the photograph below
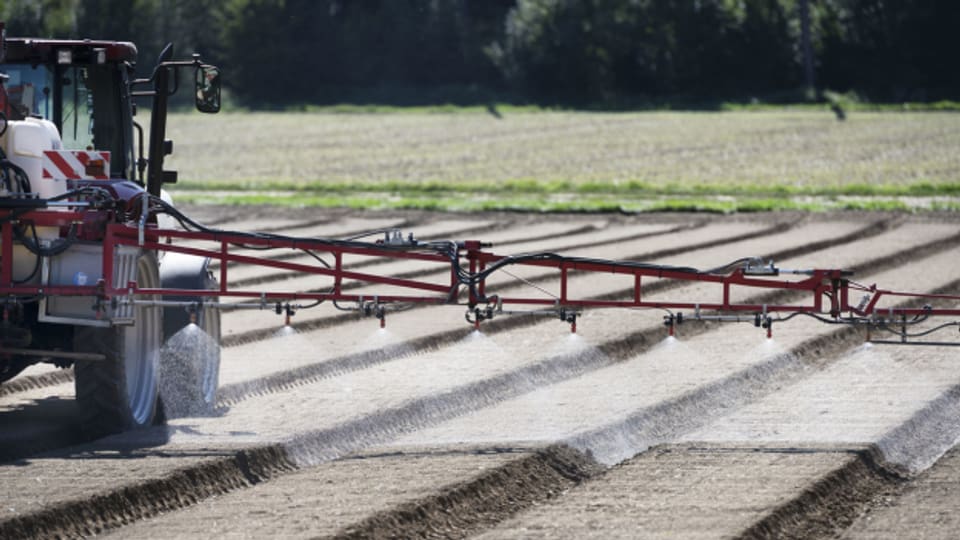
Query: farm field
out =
(332, 427)
(473, 160)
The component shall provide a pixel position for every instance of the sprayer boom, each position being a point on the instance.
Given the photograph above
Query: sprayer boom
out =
(747, 290)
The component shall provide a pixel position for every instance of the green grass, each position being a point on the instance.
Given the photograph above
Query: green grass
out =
(457, 203)
(531, 159)
(530, 186)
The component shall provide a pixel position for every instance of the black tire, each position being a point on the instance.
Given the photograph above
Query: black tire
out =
(120, 393)
(190, 357)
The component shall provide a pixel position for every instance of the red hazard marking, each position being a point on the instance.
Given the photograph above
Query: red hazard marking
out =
(76, 164)
(61, 165)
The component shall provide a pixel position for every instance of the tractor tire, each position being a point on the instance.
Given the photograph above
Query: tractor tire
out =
(120, 393)
(190, 358)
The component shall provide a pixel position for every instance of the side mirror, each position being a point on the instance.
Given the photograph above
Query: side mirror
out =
(208, 89)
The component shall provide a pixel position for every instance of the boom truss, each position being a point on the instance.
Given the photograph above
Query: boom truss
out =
(825, 294)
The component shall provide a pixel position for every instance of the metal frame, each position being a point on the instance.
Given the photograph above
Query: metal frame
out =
(829, 290)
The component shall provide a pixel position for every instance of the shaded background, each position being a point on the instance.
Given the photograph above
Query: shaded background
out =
(599, 53)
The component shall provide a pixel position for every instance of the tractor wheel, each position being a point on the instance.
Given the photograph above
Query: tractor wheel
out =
(190, 358)
(120, 392)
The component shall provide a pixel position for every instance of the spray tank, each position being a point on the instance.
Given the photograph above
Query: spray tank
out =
(24, 143)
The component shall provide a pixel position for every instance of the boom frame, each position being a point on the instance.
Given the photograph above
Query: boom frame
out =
(828, 291)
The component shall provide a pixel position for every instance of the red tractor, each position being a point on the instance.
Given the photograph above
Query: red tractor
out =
(72, 162)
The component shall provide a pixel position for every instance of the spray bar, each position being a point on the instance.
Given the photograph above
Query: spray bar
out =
(467, 267)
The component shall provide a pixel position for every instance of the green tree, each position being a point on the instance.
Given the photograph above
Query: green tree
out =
(590, 50)
(39, 18)
(890, 49)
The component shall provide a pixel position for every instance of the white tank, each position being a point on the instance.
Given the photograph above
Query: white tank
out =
(24, 143)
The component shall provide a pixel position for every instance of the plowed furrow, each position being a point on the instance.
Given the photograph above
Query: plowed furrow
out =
(829, 505)
(127, 504)
(923, 507)
(32, 382)
(481, 501)
(843, 487)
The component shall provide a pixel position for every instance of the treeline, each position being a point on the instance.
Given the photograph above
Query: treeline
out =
(281, 52)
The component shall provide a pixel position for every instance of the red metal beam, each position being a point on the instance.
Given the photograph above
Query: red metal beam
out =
(818, 284)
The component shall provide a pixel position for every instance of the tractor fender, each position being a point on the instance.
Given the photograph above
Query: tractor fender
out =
(182, 271)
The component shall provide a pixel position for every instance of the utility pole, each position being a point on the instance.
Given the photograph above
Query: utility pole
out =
(806, 46)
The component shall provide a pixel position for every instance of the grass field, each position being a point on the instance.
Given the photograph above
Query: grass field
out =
(472, 159)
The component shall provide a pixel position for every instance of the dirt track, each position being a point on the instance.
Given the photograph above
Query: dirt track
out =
(429, 430)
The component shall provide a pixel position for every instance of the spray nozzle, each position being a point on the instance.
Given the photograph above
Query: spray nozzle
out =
(381, 313)
(571, 318)
(671, 321)
(192, 310)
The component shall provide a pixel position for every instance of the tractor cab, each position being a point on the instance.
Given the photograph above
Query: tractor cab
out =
(81, 88)
(85, 90)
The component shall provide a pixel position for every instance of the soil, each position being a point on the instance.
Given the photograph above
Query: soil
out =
(336, 428)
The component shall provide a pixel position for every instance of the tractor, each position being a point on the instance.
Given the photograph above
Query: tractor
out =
(72, 159)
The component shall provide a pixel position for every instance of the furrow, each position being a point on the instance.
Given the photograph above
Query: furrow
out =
(671, 418)
(830, 504)
(481, 501)
(32, 382)
(127, 504)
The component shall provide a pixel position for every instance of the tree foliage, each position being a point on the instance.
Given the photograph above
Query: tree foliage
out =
(277, 52)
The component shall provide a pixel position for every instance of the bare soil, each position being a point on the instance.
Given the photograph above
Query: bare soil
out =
(429, 430)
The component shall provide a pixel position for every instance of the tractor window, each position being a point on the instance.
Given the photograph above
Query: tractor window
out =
(76, 123)
(84, 101)
(29, 91)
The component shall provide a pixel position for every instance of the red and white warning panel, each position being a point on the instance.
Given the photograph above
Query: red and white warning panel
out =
(76, 165)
